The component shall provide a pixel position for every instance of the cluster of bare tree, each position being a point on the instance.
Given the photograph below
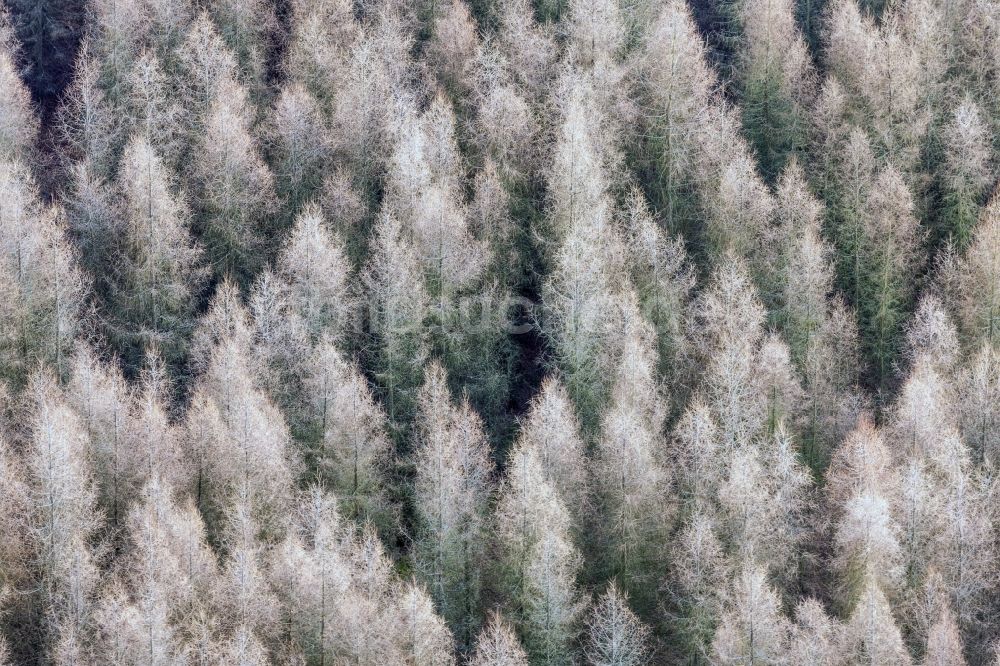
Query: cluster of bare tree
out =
(500, 332)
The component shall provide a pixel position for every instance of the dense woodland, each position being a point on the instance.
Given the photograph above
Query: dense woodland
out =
(499, 332)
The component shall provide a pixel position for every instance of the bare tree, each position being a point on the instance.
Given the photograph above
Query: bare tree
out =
(234, 185)
(298, 138)
(975, 280)
(890, 235)
(727, 330)
(616, 637)
(777, 82)
(751, 629)
(871, 635)
(314, 266)
(815, 637)
(497, 645)
(162, 270)
(629, 475)
(63, 511)
(552, 431)
(44, 285)
(452, 481)
(354, 447)
(663, 279)
(679, 88)
(398, 304)
(967, 170)
(18, 125)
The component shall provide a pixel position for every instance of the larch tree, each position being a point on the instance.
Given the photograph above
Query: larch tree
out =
(871, 635)
(727, 329)
(146, 618)
(88, 123)
(151, 438)
(829, 128)
(426, 191)
(944, 643)
(664, 280)
(615, 636)
(505, 122)
(226, 317)
(967, 171)
(497, 645)
(18, 125)
(552, 430)
(154, 114)
(976, 278)
(861, 483)
(451, 49)
(353, 450)
(315, 268)
(820, 330)
(247, 606)
(630, 477)
(319, 35)
(889, 256)
(234, 185)
(739, 206)
(596, 41)
(852, 175)
(63, 510)
(923, 411)
(553, 607)
(580, 316)
(979, 403)
(425, 637)
(117, 30)
(491, 219)
(679, 90)
(528, 46)
(162, 270)
(779, 384)
(698, 459)
(281, 343)
(205, 65)
(16, 551)
(44, 286)
(452, 470)
(331, 590)
(917, 515)
(301, 148)
(238, 437)
(965, 550)
(696, 587)
(882, 68)
(932, 335)
(763, 504)
(776, 82)
(596, 37)
(752, 629)
(528, 509)
(370, 93)
(802, 277)
(101, 397)
(578, 179)
(815, 637)
(398, 306)
(247, 26)
(539, 563)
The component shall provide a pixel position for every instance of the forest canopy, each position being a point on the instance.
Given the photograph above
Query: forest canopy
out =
(499, 332)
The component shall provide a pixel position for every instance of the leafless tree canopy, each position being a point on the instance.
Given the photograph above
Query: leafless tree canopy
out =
(499, 332)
